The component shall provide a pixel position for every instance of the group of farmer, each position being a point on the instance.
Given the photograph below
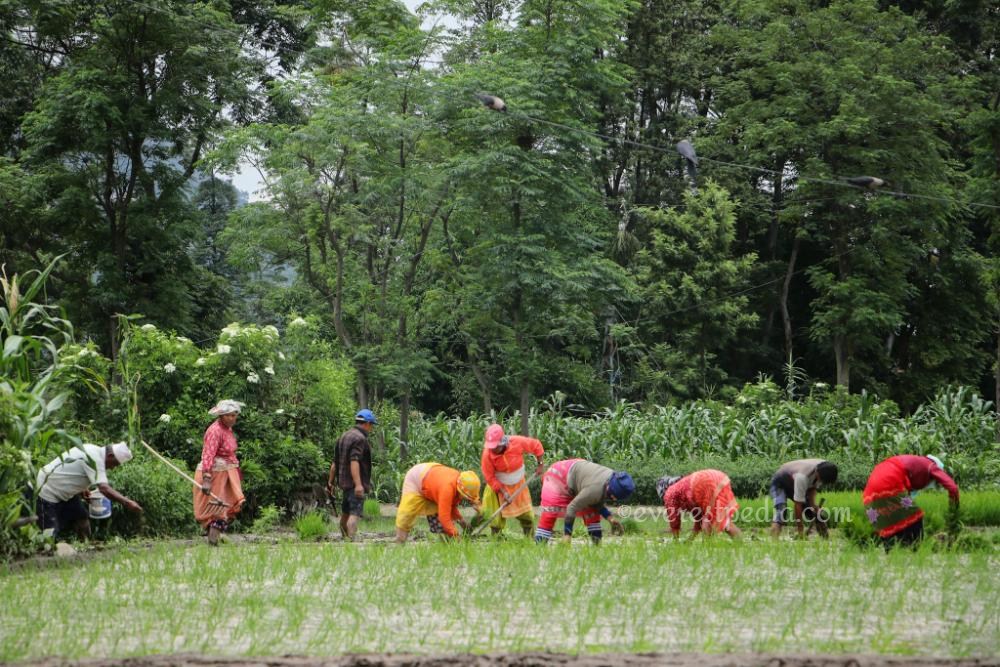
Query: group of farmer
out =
(571, 488)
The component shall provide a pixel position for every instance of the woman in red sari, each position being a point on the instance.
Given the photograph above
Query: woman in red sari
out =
(219, 473)
(707, 495)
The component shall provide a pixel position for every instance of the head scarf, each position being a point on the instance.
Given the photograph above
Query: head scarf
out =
(226, 406)
(621, 485)
(938, 462)
(665, 483)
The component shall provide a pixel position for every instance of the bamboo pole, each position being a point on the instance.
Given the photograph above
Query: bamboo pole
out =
(182, 473)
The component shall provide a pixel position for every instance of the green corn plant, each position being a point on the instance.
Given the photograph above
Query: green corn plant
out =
(31, 334)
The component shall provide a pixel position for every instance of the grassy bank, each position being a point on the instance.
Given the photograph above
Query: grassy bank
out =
(632, 594)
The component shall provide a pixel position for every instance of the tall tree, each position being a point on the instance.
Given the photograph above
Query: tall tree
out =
(132, 96)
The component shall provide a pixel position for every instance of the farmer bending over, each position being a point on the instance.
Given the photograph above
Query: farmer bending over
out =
(351, 472)
(63, 481)
(888, 496)
(503, 470)
(435, 491)
(575, 487)
(707, 495)
(800, 479)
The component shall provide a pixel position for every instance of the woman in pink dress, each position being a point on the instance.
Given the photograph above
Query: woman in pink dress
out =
(219, 473)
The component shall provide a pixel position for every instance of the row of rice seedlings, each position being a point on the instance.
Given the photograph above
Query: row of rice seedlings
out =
(627, 595)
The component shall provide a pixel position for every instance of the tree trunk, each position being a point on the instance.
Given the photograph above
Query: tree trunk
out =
(362, 389)
(404, 425)
(996, 386)
(483, 381)
(841, 350)
(786, 319)
(525, 405)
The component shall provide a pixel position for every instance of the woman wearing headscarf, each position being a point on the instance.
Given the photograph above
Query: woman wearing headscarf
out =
(219, 473)
(707, 495)
(577, 488)
(503, 471)
(888, 496)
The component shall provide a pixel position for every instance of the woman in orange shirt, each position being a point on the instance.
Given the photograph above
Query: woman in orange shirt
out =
(503, 469)
(435, 491)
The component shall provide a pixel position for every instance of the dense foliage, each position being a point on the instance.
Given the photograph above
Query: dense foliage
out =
(464, 260)
(557, 263)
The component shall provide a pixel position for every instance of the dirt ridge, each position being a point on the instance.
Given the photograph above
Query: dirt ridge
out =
(541, 659)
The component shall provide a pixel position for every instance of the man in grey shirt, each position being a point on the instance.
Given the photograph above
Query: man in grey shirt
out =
(575, 487)
(799, 479)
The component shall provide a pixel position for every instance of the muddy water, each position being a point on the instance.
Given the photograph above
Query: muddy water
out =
(532, 660)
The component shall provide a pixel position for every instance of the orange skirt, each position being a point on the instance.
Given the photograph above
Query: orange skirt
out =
(713, 493)
(226, 485)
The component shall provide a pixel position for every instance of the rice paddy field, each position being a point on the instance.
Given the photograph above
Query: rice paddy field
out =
(634, 594)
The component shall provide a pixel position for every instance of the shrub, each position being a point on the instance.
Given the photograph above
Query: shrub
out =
(267, 520)
(166, 499)
(312, 526)
(277, 472)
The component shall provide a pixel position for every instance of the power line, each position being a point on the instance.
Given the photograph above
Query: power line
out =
(747, 167)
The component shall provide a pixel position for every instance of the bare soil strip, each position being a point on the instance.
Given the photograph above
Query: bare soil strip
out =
(530, 660)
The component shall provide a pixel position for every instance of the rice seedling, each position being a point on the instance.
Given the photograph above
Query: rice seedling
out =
(631, 594)
(312, 526)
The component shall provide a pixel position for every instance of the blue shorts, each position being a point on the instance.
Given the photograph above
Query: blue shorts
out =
(780, 499)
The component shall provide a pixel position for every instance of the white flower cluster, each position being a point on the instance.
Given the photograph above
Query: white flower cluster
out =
(298, 322)
(148, 327)
(165, 418)
(253, 378)
(234, 330)
(200, 361)
(169, 368)
(223, 349)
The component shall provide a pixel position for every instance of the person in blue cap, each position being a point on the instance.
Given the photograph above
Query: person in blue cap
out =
(351, 471)
(575, 487)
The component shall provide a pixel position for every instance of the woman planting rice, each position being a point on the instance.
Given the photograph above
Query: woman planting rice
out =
(435, 491)
(707, 495)
(219, 473)
(503, 469)
(888, 496)
(575, 487)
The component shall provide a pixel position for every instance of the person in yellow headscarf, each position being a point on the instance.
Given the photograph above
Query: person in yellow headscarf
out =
(435, 491)
(503, 469)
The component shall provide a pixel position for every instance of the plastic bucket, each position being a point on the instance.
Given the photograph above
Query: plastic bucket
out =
(99, 507)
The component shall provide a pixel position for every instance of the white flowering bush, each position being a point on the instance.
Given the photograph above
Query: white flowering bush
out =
(299, 398)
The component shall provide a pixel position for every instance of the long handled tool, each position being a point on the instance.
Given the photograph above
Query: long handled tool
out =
(509, 500)
(182, 473)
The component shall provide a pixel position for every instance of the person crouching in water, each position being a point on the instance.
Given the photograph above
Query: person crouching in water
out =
(435, 491)
(576, 487)
(707, 495)
(64, 481)
(888, 496)
(503, 469)
(800, 480)
(219, 474)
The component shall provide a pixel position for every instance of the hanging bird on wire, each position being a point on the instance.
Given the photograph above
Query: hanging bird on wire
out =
(690, 160)
(867, 182)
(492, 102)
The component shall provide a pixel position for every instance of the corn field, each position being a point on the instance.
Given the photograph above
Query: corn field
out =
(856, 429)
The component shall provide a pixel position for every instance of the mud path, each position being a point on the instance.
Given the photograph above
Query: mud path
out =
(532, 660)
